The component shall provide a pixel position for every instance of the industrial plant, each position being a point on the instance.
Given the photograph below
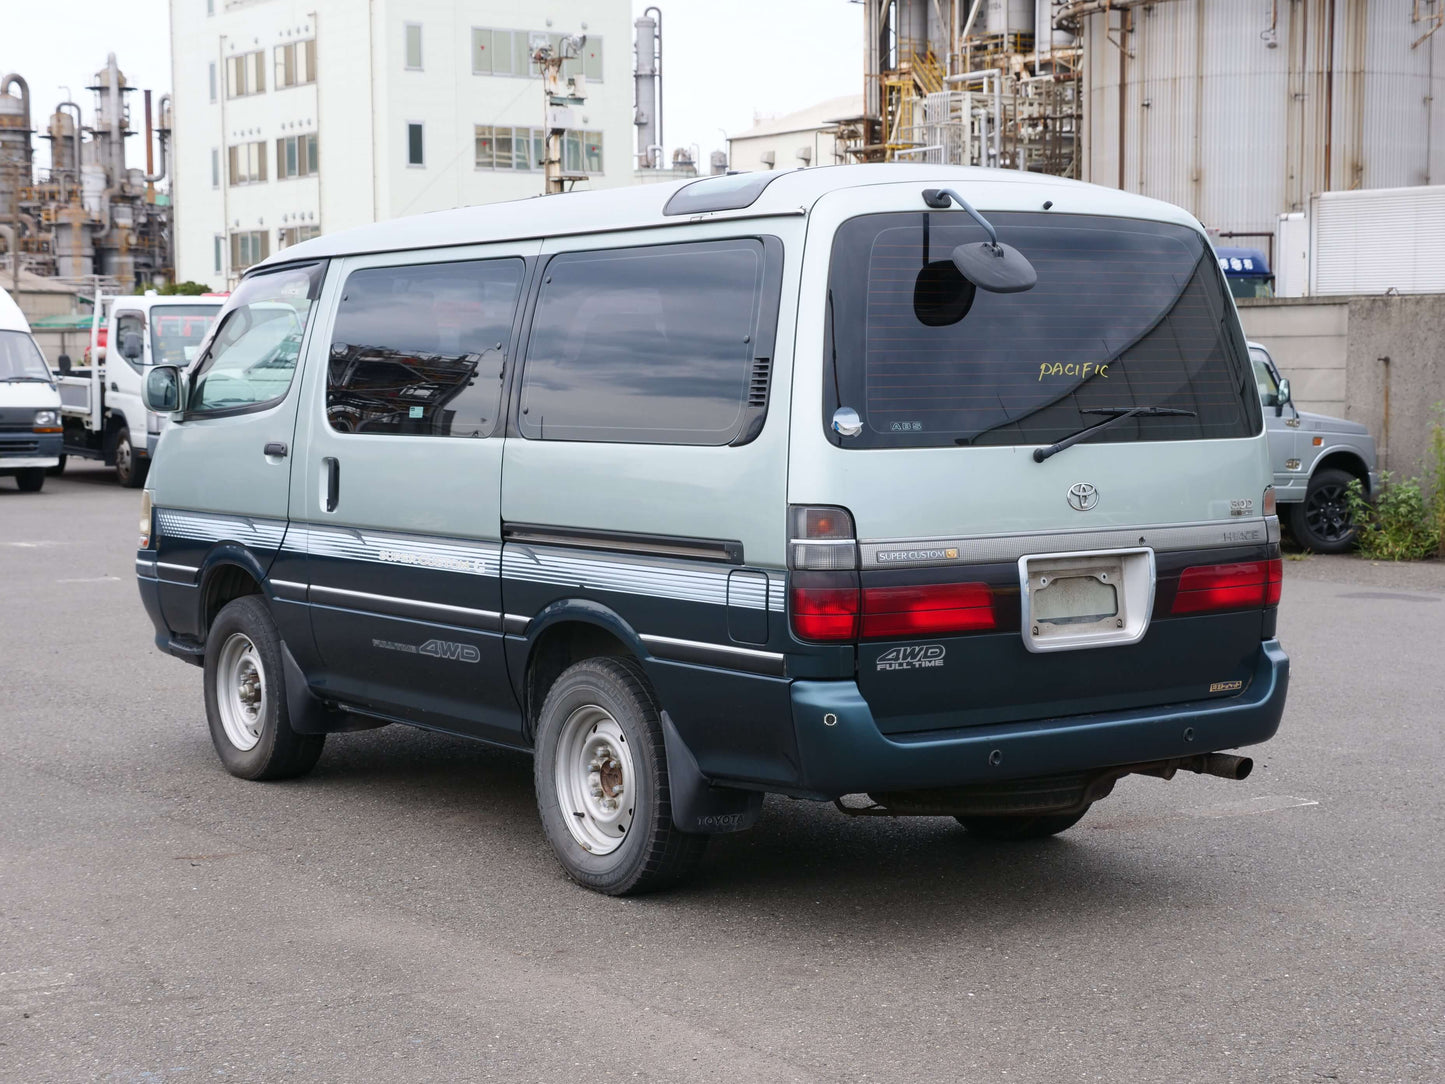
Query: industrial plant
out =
(88, 213)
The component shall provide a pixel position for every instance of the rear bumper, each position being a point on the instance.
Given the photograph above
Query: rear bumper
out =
(842, 751)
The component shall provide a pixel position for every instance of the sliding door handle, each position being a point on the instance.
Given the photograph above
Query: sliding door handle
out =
(276, 448)
(331, 483)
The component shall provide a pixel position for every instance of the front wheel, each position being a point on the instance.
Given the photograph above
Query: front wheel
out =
(129, 468)
(602, 786)
(246, 697)
(31, 479)
(1021, 826)
(1322, 521)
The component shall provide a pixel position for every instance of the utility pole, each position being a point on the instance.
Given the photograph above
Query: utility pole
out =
(561, 99)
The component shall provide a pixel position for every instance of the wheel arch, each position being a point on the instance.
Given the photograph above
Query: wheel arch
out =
(229, 572)
(566, 632)
(1347, 460)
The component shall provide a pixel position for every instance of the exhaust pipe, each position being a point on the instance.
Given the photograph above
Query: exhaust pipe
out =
(1221, 764)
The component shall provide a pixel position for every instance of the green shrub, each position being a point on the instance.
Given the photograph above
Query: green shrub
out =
(1399, 525)
(1435, 468)
(187, 289)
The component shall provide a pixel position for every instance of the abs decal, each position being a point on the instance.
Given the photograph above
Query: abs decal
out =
(437, 649)
(912, 657)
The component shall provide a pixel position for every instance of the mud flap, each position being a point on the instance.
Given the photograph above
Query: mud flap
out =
(697, 805)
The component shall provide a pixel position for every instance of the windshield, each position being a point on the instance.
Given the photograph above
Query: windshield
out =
(1126, 313)
(20, 358)
(177, 331)
(249, 360)
(1264, 377)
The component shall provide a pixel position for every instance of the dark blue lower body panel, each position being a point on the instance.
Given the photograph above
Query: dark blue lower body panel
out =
(842, 751)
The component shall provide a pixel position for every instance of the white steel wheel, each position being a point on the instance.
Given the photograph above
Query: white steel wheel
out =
(241, 691)
(595, 778)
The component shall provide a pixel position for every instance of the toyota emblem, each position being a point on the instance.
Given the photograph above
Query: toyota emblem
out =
(1083, 496)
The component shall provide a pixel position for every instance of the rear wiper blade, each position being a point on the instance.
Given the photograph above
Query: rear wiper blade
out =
(1119, 414)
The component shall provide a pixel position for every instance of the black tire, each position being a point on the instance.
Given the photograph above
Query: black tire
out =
(1321, 522)
(278, 751)
(31, 479)
(653, 854)
(57, 470)
(129, 469)
(1021, 826)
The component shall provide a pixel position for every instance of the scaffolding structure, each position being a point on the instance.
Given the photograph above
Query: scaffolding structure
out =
(944, 85)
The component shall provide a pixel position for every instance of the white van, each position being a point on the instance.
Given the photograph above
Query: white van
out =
(30, 430)
(821, 483)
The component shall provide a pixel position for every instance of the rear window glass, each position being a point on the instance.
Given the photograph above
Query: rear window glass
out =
(1125, 313)
(650, 345)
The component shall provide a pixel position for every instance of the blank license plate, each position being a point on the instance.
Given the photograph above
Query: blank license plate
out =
(1074, 600)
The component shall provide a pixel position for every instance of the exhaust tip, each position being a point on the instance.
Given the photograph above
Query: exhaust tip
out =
(1243, 768)
(1226, 766)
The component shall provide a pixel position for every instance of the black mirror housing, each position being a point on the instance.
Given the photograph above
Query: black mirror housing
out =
(163, 389)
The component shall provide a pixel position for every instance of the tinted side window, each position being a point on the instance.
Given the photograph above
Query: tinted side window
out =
(650, 345)
(418, 351)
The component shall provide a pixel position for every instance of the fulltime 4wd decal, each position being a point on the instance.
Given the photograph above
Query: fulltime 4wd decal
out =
(439, 649)
(912, 657)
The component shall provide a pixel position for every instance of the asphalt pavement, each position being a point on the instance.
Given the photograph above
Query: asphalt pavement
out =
(397, 916)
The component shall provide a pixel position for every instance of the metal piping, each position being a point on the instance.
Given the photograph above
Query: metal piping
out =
(19, 80)
(658, 73)
(61, 108)
(150, 177)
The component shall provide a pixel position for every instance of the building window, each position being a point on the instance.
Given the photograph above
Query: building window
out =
(246, 74)
(501, 147)
(295, 64)
(509, 52)
(215, 167)
(212, 73)
(210, 7)
(648, 345)
(248, 163)
(582, 152)
(219, 252)
(294, 235)
(416, 350)
(413, 47)
(248, 247)
(415, 145)
(296, 156)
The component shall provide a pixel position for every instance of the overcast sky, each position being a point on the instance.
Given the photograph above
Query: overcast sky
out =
(722, 62)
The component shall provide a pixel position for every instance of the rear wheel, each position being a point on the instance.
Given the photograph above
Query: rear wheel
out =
(129, 468)
(31, 479)
(1322, 522)
(246, 697)
(1021, 826)
(601, 778)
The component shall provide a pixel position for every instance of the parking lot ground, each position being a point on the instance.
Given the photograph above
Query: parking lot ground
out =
(396, 915)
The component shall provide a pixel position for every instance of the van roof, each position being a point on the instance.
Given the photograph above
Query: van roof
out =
(641, 206)
(11, 318)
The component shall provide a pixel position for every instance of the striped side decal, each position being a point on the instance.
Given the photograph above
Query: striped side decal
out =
(209, 527)
(684, 581)
(383, 547)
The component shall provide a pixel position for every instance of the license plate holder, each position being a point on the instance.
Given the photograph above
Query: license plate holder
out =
(1072, 601)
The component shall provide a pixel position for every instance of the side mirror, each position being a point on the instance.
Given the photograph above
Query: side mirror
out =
(64, 362)
(131, 346)
(1281, 397)
(163, 389)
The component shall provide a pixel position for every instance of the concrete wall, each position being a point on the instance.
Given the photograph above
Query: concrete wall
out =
(1375, 360)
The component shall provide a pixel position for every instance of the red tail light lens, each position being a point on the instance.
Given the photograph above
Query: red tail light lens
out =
(824, 606)
(926, 609)
(1242, 585)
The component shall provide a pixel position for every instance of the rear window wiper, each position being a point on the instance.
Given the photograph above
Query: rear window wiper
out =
(1119, 414)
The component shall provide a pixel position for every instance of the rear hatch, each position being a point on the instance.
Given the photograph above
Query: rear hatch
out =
(1135, 567)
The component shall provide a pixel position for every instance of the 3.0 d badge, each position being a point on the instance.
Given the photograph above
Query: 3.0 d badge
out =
(1083, 496)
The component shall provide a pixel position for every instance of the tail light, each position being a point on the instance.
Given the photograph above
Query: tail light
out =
(1242, 585)
(890, 612)
(821, 538)
(824, 606)
(145, 520)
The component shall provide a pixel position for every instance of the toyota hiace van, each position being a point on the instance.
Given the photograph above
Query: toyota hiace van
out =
(924, 490)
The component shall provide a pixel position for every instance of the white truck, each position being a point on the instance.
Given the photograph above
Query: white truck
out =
(29, 406)
(101, 408)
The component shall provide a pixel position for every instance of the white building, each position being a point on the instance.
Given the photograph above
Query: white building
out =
(804, 138)
(294, 117)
